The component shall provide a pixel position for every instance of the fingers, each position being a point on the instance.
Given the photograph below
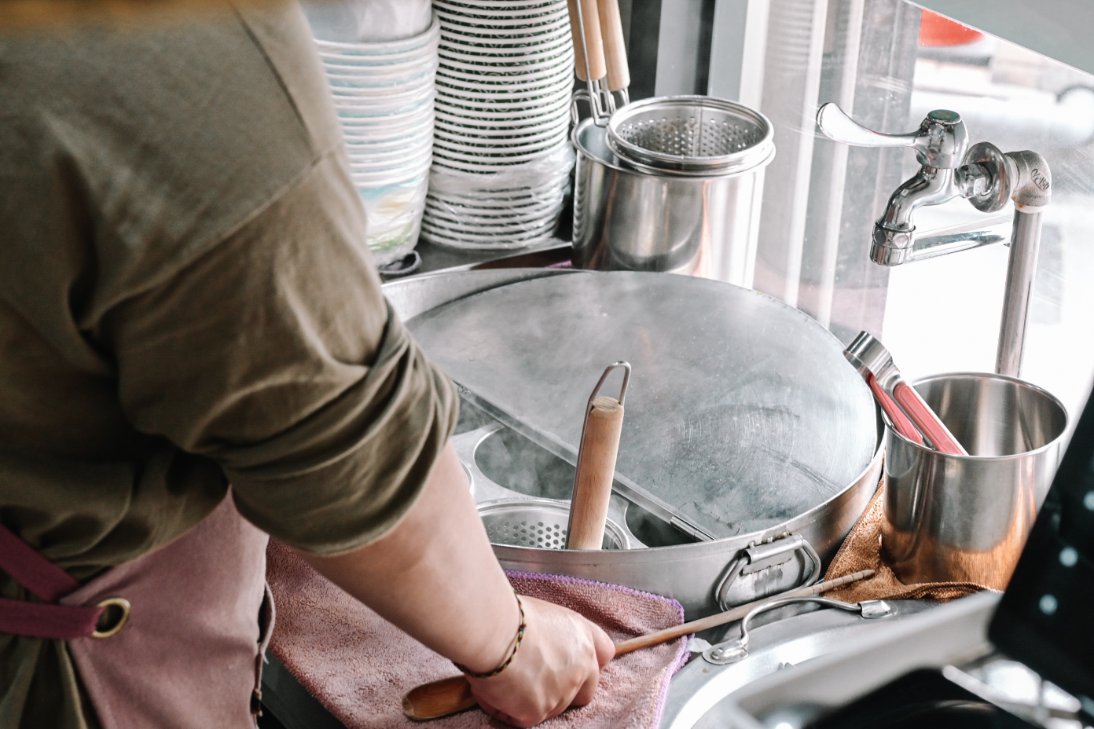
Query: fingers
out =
(605, 651)
(587, 691)
(605, 648)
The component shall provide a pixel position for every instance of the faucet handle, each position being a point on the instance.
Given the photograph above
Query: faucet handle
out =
(939, 142)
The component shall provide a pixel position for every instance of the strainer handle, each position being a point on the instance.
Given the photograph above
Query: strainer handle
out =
(588, 46)
(615, 50)
(596, 457)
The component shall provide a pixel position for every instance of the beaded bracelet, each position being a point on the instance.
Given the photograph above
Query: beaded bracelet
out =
(512, 653)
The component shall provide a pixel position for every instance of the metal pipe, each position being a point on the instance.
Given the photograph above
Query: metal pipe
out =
(1016, 296)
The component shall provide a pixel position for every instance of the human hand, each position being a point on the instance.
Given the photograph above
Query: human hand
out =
(557, 666)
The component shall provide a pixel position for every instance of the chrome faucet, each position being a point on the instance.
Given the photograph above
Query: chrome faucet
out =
(949, 169)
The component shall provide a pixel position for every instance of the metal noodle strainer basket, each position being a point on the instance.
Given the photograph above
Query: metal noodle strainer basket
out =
(690, 135)
(669, 183)
(539, 523)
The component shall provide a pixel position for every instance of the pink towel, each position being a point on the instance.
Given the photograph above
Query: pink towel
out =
(359, 666)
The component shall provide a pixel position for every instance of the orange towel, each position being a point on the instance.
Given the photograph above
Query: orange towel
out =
(861, 550)
(359, 666)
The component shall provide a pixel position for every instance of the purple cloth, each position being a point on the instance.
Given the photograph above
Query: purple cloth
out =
(359, 666)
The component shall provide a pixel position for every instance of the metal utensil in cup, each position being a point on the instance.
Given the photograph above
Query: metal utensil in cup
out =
(965, 518)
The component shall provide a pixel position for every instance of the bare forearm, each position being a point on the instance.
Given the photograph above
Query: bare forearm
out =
(436, 570)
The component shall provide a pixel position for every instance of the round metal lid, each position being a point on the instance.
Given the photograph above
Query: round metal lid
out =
(741, 412)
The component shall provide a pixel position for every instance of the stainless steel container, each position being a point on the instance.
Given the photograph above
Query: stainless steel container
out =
(966, 518)
(771, 548)
(702, 223)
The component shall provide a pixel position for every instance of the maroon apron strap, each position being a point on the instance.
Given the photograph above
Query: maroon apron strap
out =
(48, 582)
(33, 571)
(43, 620)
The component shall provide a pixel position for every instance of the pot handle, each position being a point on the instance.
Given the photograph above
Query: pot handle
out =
(766, 555)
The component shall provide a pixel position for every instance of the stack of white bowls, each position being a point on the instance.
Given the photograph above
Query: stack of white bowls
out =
(501, 151)
(384, 95)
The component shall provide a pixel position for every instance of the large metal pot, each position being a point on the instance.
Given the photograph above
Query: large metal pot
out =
(760, 556)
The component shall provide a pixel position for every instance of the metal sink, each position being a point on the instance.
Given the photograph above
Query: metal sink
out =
(701, 694)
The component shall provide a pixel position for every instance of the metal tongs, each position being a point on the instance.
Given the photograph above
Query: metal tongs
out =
(907, 412)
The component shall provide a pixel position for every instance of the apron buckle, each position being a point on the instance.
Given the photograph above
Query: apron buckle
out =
(114, 617)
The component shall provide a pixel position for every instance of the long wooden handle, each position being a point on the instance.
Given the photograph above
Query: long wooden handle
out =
(596, 458)
(736, 613)
(452, 695)
(588, 52)
(615, 50)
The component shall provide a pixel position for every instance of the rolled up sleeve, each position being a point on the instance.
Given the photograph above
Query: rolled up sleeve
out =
(274, 354)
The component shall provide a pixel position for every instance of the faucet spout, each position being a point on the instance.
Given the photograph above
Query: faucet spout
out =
(894, 241)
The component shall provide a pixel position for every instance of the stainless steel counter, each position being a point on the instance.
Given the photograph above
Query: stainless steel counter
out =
(440, 258)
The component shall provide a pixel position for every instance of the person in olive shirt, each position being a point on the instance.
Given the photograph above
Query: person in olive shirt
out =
(187, 301)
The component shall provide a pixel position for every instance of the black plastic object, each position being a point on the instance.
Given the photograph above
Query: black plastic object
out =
(920, 699)
(1044, 617)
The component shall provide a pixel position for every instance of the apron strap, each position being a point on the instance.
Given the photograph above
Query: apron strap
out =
(43, 620)
(47, 582)
(42, 578)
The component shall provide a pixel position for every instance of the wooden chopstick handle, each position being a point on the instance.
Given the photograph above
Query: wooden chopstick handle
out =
(453, 695)
(736, 613)
(615, 51)
(596, 459)
(588, 52)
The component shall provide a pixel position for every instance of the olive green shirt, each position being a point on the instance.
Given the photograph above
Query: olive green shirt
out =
(187, 301)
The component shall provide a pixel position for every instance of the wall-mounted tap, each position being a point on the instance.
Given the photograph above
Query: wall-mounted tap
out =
(949, 169)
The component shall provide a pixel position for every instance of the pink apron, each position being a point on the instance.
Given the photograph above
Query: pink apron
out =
(170, 640)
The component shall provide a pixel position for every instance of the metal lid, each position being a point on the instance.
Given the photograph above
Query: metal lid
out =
(742, 412)
(691, 135)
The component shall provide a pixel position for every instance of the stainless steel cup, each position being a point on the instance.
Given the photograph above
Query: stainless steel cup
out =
(966, 518)
(635, 220)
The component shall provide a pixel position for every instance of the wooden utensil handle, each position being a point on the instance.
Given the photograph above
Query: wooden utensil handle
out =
(575, 36)
(438, 698)
(453, 695)
(736, 613)
(595, 472)
(588, 52)
(615, 50)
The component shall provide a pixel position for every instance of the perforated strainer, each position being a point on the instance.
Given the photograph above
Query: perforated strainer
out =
(538, 523)
(691, 135)
(697, 135)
